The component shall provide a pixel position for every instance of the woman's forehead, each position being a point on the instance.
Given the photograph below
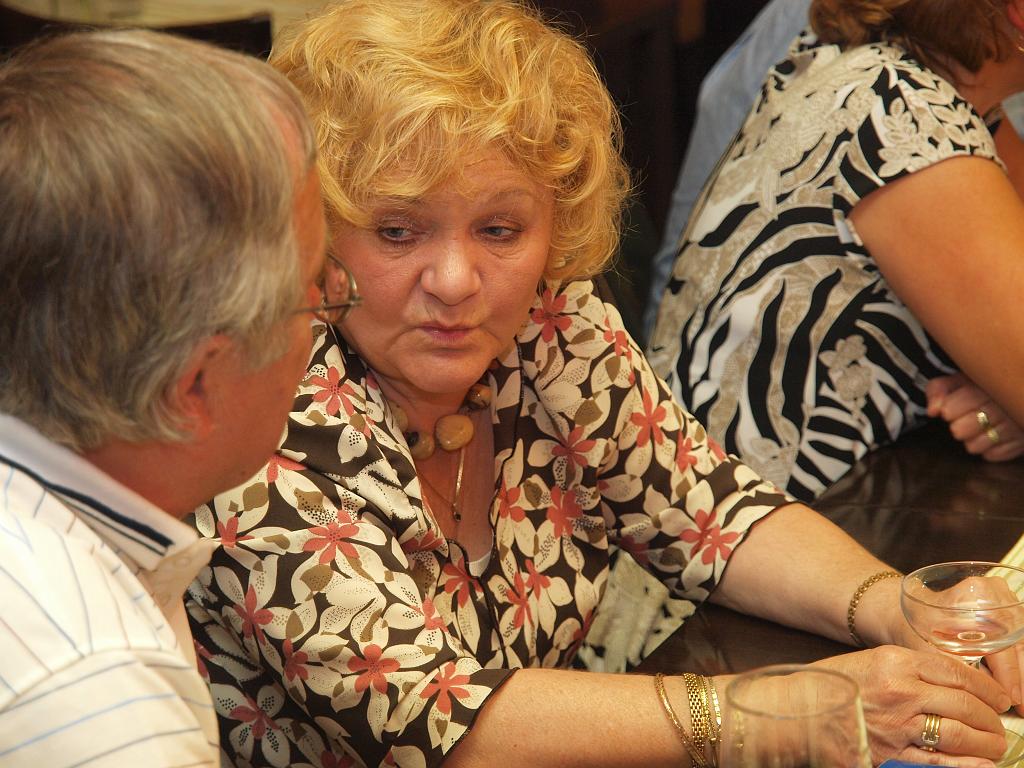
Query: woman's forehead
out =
(483, 175)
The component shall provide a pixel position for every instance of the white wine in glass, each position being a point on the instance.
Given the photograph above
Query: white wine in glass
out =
(793, 716)
(968, 609)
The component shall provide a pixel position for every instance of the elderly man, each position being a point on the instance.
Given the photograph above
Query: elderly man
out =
(161, 240)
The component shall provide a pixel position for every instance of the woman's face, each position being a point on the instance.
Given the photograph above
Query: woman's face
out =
(447, 278)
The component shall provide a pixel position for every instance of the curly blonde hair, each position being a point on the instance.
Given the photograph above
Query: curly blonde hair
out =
(400, 93)
(968, 32)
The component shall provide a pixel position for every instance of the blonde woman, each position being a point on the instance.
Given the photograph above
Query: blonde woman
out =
(407, 581)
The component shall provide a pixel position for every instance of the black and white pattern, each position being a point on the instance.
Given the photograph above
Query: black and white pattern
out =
(777, 329)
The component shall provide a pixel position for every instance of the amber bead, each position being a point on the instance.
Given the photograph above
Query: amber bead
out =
(478, 397)
(454, 431)
(421, 445)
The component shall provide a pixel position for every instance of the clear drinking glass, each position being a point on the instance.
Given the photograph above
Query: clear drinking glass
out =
(792, 716)
(967, 609)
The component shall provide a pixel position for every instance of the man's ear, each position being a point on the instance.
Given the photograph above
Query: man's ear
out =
(1015, 13)
(194, 396)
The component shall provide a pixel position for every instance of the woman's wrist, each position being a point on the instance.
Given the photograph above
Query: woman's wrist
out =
(874, 616)
(697, 717)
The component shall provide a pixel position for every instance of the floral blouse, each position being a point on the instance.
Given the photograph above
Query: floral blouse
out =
(336, 624)
(777, 329)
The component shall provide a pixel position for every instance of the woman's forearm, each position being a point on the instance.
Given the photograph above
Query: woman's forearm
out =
(545, 718)
(798, 568)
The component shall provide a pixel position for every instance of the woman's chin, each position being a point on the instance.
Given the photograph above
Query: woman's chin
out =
(439, 375)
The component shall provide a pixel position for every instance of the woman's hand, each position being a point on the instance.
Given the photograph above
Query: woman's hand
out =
(899, 686)
(960, 402)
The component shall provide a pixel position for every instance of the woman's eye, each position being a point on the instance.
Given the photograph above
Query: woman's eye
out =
(500, 232)
(394, 234)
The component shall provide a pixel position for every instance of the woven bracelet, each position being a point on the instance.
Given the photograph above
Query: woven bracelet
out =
(851, 611)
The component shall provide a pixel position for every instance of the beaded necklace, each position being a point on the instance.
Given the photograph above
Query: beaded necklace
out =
(453, 433)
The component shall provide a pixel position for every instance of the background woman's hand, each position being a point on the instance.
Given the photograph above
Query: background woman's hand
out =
(900, 686)
(958, 400)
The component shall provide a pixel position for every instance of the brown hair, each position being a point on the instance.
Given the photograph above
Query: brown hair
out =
(936, 32)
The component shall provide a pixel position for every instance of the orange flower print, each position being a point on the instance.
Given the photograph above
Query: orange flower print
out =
(253, 618)
(331, 393)
(563, 511)
(373, 668)
(446, 684)
(228, 532)
(295, 662)
(716, 449)
(550, 316)
(459, 582)
(649, 422)
(279, 462)
(519, 596)
(536, 581)
(333, 537)
(621, 345)
(330, 760)
(709, 537)
(684, 458)
(507, 498)
(251, 713)
(427, 541)
(575, 447)
(431, 619)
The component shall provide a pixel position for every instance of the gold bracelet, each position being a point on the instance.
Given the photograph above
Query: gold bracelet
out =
(659, 686)
(717, 721)
(699, 717)
(851, 612)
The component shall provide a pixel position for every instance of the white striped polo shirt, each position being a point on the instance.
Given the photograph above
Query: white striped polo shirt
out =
(91, 669)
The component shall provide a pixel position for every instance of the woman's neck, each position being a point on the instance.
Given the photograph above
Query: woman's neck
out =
(423, 409)
(996, 80)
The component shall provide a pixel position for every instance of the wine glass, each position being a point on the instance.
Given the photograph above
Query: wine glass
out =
(790, 715)
(967, 609)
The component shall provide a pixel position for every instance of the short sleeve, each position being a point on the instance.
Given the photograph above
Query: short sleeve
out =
(669, 494)
(903, 119)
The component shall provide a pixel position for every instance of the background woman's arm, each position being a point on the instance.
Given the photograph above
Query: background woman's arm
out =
(949, 239)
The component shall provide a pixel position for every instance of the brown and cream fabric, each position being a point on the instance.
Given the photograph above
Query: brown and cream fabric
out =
(337, 625)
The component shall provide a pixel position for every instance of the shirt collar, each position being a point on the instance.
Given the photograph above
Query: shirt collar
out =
(139, 531)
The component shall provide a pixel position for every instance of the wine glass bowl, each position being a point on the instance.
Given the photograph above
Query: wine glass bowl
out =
(967, 609)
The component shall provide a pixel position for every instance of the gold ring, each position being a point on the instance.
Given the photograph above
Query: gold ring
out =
(983, 421)
(930, 734)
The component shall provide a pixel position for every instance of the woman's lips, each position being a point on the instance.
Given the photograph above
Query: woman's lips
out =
(447, 335)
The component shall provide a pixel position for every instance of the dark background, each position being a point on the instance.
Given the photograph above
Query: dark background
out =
(653, 55)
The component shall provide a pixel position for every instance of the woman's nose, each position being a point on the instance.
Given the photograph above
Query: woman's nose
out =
(452, 275)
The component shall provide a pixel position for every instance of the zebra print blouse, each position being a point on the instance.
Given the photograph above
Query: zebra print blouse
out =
(777, 329)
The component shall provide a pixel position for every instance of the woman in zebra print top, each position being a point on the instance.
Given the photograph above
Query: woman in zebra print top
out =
(858, 240)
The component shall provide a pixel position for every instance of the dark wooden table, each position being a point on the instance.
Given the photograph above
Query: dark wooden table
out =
(922, 501)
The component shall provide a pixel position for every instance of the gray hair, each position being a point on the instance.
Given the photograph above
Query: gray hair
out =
(147, 186)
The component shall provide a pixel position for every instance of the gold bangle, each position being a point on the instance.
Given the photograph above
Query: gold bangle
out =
(659, 686)
(851, 611)
(717, 721)
(696, 695)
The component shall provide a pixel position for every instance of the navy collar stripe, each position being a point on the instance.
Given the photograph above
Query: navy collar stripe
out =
(101, 518)
(94, 506)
